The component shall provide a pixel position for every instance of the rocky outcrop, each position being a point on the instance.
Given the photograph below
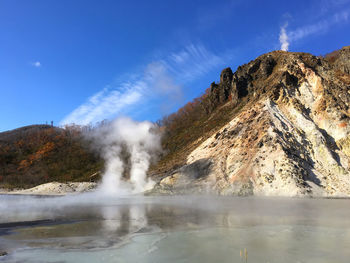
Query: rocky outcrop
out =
(291, 137)
(342, 60)
(221, 92)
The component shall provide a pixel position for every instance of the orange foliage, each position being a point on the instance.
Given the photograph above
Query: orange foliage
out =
(37, 154)
(20, 143)
(23, 165)
(42, 152)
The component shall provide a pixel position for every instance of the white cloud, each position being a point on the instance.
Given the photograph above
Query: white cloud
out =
(36, 64)
(284, 38)
(105, 103)
(161, 78)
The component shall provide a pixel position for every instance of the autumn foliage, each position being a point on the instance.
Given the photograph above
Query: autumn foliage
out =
(40, 153)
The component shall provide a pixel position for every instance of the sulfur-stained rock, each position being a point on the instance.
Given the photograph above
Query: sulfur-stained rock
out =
(290, 138)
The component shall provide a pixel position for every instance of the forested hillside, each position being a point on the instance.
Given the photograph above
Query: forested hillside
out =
(37, 154)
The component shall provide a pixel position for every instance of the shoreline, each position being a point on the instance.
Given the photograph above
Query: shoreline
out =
(53, 189)
(56, 189)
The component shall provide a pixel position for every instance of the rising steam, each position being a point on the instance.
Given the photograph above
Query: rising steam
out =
(127, 146)
(284, 38)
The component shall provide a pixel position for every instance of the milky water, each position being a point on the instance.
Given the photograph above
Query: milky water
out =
(92, 228)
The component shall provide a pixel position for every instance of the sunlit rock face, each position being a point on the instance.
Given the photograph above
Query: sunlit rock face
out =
(291, 138)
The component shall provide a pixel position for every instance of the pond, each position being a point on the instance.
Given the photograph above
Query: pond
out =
(97, 228)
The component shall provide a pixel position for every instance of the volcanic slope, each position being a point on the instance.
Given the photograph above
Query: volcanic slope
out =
(284, 131)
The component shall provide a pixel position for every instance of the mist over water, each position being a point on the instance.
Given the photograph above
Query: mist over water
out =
(97, 228)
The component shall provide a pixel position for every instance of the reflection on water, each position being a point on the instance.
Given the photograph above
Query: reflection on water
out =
(90, 228)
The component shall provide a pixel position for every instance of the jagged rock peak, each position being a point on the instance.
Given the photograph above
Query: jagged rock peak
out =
(226, 75)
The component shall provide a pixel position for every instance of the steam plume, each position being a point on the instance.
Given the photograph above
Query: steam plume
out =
(126, 139)
(284, 38)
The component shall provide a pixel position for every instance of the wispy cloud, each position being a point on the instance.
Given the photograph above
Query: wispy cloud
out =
(105, 103)
(320, 27)
(330, 5)
(192, 62)
(36, 64)
(160, 78)
(284, 38)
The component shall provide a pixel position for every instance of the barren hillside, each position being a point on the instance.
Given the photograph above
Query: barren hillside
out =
(287, 130)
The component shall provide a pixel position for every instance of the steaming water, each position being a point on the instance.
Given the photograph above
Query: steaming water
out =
(93, 228)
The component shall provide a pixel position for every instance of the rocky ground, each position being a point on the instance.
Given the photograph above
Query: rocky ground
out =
(54, 188)
(290, 139)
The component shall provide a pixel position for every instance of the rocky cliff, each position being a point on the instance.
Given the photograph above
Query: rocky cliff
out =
(289, 135)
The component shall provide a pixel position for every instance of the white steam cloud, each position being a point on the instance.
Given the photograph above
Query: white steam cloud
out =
(284, 38)
(126, 139)
(320, 27)
(36, 64)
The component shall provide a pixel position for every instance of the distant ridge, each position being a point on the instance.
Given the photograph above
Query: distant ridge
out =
(37, 154)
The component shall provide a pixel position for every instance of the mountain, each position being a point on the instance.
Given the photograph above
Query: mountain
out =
(38, 154)
(278, 126)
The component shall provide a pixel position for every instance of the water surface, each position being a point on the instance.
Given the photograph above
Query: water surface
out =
(93, 228)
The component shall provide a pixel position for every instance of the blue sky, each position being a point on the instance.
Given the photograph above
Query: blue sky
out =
(85, 61)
